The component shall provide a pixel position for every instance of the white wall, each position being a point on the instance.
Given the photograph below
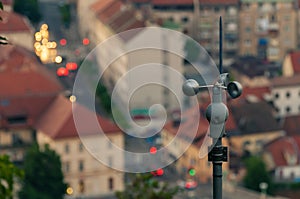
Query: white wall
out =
(282, 102)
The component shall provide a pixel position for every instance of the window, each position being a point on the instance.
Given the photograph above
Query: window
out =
(288, 94)
(184, 19)
(80, 147)
(286, 28)
(67, 148)
(247, 42)
(81, 165)
(111, 184)
(248, 29)
(19, 119)
(288, 109)
(273, 18)
(67, 167)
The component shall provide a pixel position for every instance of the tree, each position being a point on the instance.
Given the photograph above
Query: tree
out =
(9, 174)
(104, 97)
(29, 8)
(256, 174)
(144, 186)
(43, 175)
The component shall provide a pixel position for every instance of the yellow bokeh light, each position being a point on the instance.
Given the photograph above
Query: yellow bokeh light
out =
(38, 36)
(37, 45)
(58, 59)
(44, 27)
(44, 41)
(72, 98)
(69, 191)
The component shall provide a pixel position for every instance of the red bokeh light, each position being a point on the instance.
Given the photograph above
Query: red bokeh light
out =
(153, 150)
(71, 66)
(62, 72)
(159, 172)
(63, 42)
(85, 41)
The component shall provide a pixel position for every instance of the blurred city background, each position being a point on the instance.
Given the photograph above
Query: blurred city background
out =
(48, 40)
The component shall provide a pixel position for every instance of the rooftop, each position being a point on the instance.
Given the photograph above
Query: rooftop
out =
(285, 81)
(288, 152)
(118, 16)
(295, 58)
(13, 22)
(57, 122)
(248, 117)
(26, 87)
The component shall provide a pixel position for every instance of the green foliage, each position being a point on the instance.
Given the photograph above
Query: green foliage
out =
(191, 50)
(65, 11)
(104, 97)
(287, 186)
(28, 8)
(9, 174)
(256, 173)
(144, 186)
(43, 175)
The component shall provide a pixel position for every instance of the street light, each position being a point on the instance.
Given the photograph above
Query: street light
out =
(216, 114)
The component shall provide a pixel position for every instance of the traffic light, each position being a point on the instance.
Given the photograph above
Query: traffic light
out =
(192, 171)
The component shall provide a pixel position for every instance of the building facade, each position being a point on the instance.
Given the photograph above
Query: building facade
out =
(87, 170)
(267, 29)
(26, 91)
(285, 93)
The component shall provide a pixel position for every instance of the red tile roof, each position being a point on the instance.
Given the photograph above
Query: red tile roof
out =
(26, 88)
(295, 58)
(282, 147)
(28, 75)
(13, 22)
(7, 2)
(172, 2)
(116, 15)
(258, 92)
(57, 121)
(191, 2)
(285, 81)
(110, 12)
(292, 125)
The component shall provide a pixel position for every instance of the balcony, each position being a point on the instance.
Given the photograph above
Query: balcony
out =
(231, 36)
(273, 27)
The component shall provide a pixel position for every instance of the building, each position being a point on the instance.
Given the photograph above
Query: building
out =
(291, 125)
(190, 150)
(291, 64)
(26, 90)
(285, 92)
(16, 28)
(83, 171)
(200, 20)
(113, 17)
(256, 126)
(253, 72)
(267, 29)
(283, 161)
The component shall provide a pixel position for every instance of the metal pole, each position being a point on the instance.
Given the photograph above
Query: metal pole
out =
(217, 173)
(217, 151)
(216, 114)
